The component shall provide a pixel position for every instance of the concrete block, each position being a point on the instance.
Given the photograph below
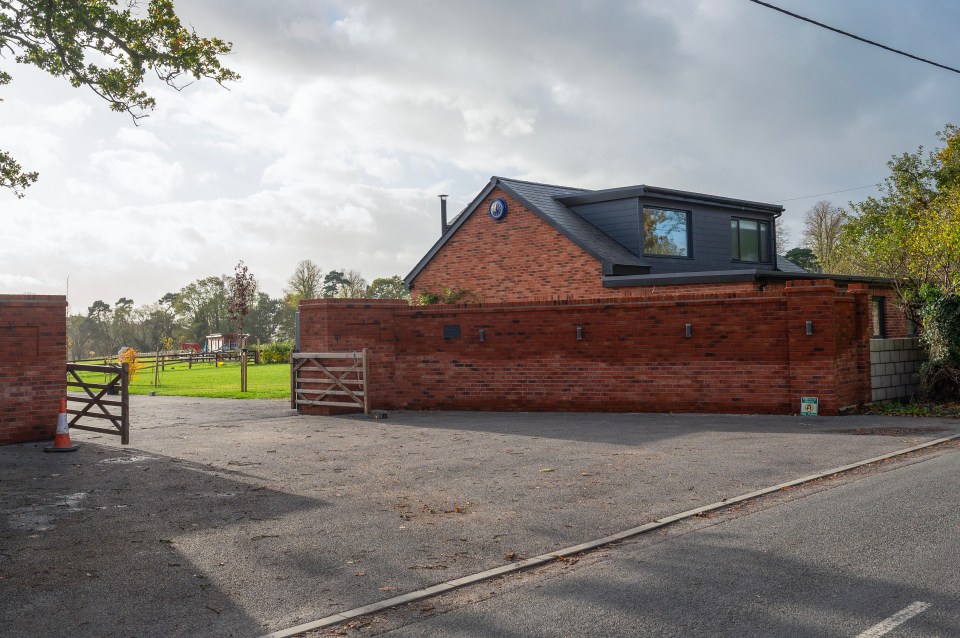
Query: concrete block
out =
(874, 356)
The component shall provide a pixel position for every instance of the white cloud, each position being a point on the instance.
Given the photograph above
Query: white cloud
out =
(139, 173)
(352, 117)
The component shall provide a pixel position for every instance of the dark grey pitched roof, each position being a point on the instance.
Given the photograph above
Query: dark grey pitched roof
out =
(540, 199)
(785, 265)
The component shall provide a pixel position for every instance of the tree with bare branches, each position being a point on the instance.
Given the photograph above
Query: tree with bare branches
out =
(822, 233)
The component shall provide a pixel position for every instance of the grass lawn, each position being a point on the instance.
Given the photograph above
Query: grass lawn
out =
(206, 380)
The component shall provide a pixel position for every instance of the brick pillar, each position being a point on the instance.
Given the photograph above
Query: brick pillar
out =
(861, 390)
(33, 357)
(812, 357)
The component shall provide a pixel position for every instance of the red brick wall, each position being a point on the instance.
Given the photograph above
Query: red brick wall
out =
(521, 257)
(749, 352)
(33, 355)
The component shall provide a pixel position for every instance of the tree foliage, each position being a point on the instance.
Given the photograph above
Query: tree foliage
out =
(243, 289)
(911, 232)
(822, 232)
(207, 306)
(940, 374)
(109, 47)
(388, 288)
(805, 258)
(306, 282)
(332, 282)
(354, 286)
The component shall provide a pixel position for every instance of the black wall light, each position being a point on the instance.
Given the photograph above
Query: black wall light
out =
(688, 330)
(483, 335)
(579, 333)
(809, 328)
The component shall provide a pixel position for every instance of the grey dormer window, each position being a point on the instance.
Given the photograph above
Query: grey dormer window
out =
(750, 240)
(666, 233)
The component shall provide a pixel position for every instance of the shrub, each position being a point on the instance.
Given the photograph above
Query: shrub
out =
(276, 352)
(129, 356)
(940, 375)
(448, 296)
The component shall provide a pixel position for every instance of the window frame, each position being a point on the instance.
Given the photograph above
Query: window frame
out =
(878, 317)
(688, 224)
(760, 243)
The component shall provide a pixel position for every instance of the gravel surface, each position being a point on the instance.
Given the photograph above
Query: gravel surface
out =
(234, 518)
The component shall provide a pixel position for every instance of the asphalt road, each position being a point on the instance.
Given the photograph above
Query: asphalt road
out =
(236, 518)
(839, 562)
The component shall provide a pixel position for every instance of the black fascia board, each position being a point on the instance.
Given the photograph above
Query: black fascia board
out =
(730, 276)
(457, 223)
(675, 278)
(643, 190)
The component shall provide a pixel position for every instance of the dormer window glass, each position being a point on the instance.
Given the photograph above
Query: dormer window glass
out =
(750, 240)
(666, 233)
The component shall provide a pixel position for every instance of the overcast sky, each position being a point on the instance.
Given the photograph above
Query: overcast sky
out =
(353, 115)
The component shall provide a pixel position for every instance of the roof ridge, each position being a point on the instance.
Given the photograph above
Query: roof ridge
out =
(523, 181)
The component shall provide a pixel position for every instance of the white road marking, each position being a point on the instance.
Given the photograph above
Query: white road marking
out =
(894, 621)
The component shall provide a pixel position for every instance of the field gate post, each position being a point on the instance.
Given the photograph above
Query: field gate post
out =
(125, 403)
(366, 384)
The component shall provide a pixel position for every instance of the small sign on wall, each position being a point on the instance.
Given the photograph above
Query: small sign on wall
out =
(809, 406)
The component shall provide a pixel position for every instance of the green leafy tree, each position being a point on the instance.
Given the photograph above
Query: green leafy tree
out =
(805, 258)
(97, 328)
(388, 288)
(911, 232)
(332, 282)
(263, 322)
(201, 307)
(109, 47)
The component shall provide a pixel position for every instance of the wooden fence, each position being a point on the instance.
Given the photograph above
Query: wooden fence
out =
(336, 379)
(116, 380)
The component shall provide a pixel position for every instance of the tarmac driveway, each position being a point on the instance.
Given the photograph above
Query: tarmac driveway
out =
(235, 518)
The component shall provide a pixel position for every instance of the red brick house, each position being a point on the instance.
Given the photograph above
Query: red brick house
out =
(525, 241)
(628, 299)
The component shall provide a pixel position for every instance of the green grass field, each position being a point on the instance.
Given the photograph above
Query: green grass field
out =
(206, 380)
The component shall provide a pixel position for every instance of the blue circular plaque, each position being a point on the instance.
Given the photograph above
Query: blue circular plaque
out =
(498, 209)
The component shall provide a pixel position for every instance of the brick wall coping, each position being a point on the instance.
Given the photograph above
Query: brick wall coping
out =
(52, 300)
(690, 298)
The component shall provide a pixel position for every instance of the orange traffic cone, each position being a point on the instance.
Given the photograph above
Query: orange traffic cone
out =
(61, 440)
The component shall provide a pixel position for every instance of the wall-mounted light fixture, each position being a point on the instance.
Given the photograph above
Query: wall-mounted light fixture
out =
(336, 338)
(579, 333)
(483, 335)
(688, 330)
(809, 328)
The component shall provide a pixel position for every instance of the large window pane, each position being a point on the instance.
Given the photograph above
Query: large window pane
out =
(749, 240)
(665, 232)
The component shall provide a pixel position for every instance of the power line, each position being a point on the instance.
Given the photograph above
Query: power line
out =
(855, 37)
(846, 190)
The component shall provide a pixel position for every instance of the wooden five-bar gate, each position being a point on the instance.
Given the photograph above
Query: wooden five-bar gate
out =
(116, 380)
(336, 379)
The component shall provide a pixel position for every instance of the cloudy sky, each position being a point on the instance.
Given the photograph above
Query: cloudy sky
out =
(353, 115)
